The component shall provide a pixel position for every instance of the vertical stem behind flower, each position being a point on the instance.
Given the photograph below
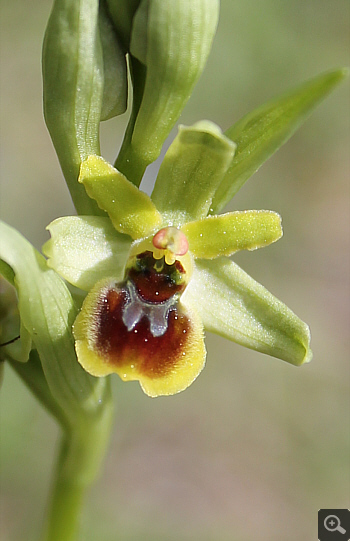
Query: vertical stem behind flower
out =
(81, 453)
(66, 503)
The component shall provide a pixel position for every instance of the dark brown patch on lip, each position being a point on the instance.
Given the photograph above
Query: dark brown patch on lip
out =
(152, 285)
(152, 356)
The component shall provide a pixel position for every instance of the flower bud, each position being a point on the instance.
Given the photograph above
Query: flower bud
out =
(84, 81)
(170, 43)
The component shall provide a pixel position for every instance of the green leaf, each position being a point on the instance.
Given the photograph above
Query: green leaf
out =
(47, 312)
(260, 133)
(193, 167)
(131, 211)
(225, 234)
(85, 249)
(115, 88)
(172, 38)
(236, 307)
(73, 89)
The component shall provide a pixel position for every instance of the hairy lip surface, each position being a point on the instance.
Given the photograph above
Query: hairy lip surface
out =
(153, 356)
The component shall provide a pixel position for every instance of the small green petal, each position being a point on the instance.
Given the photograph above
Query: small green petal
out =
(47, 312)
(85, 249)
(260, 133)
(233, 305)
(131, 211)
(215, 236)
(191, 171)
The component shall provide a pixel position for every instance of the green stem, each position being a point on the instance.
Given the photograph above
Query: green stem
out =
(81, 452)
(66, 500)
(83, 445)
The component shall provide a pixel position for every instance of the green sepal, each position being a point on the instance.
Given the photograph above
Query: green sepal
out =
(47, 312)
(260, 133)
(192, 168)
(73, 89)
(173, 47)
(85, 249)
(225, 234)
(131, 211)
(236, 307)
(115, 82)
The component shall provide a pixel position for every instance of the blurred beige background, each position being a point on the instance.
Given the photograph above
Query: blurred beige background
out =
(254, 447)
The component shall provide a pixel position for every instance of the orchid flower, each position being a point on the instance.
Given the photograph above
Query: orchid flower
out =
(159, 273)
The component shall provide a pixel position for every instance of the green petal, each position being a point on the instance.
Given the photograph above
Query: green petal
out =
(233, 305)
(72, 103)
(172, 39)
(215, 236)
(85, 249)
(131, 211)
(47, 312)
(260, 133)
(193, 167)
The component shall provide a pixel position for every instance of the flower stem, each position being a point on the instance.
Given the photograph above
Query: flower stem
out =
(66, 501)
(82, 448)
(81, 452)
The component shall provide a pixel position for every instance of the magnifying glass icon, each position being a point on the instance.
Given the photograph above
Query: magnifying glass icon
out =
(332, 524)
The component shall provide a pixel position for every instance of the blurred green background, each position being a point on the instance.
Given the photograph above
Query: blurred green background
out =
(254, 447)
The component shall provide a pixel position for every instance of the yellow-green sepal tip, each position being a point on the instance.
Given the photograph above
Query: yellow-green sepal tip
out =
(131, 211)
